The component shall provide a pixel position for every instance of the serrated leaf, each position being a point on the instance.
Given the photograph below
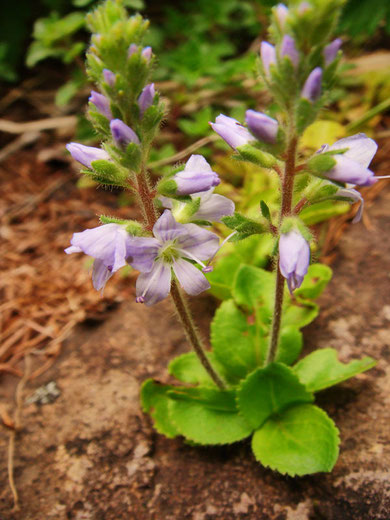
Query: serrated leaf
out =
(299, 441)
(299, 314)
(237, 345)
(290, 345)
(322, 369)
(188, 369)
(155, 400)
(215, 422)
(268, 391)
(317, 278)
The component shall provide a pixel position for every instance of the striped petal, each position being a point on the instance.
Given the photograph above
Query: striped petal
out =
(190, 278)
(198, 242)
(154, 286)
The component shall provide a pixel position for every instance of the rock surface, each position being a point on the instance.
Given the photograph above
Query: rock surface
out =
(92, 455)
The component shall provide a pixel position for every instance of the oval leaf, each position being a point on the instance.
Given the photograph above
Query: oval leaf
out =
(300, 441)
(269, 390)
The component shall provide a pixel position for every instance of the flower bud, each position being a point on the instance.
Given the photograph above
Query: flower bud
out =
(122, 134)
(101, 103)
(197, 176)
(331, 50)
(262, 126)
(132, 49)
(109, 77)
(312, 88)
(231, 131)
(289, 50)
(294, 258)
(147, 53)
(268, 56)
(281, 13)
(146, 97)
(86, 154)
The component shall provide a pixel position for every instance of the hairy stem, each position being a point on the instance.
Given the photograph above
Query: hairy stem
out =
(287, 193)
(192, 334)
(183, 311)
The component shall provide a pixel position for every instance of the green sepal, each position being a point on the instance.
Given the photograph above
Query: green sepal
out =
(306, 113)
(322, 369)
(155, 401)
(152, 117)
(132, 226)
(300, 440)
(100, 122)
(131, 157)
(321, 163)
(254, 155)
(184, 211)
(244, 226)
(108, 172)
(207, 416)
(267, 391)
(167, 187)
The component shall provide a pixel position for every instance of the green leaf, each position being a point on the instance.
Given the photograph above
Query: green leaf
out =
(299, 314)
(321, 369)
(188, 369)
(254, 287)
(300, 441)
(268, 391)
(290, 345)
(237, 345)
(207, 416)
(221, 278)
(265, 210)
(155, 400)
(317, 278)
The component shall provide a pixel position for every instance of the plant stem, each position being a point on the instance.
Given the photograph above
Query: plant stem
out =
(183, 311)
(192, 334)
(287, 193)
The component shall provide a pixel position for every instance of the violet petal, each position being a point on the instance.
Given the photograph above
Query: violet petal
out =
(190, 278)
(155, 285)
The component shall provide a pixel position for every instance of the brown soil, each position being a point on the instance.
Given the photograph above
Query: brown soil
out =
(92, 454)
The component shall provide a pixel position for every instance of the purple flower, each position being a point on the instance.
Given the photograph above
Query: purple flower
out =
(101, 103)
(303, 7)
(132, 49)
(281, 13)
(331, 50)
(109, 77)
(231, 131)
(294, 258)
(268, 56)
(262, 126)
(312, 88)
(109, 244)
(146, 97)
(122, 134)
(212, 207)
(196, 176)
(289, 50)
(354, 196)
(352, 166)
(170, 250)
(147, 53)
(86, 154)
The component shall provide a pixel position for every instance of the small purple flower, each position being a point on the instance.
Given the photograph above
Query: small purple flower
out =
(262, 126)
(354, 196)
(170, 250)
(289, 50)
(303, 7)
(101, 103)
(132, 49)
(294, 258)
(352, 166)
(196, 176)
(147, 53)
(122, 134)
(109, 244)
(109, 77)
(231, 131)
(312, 88)
(268, 56)
(146, 97)
(86, 154)
(281, 13)
(331, 50)
(212, 207)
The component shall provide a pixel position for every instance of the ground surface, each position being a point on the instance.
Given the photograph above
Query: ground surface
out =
(91, 454)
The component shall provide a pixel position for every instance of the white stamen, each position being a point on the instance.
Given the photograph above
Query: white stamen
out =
(186, 253)
(151, 280)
